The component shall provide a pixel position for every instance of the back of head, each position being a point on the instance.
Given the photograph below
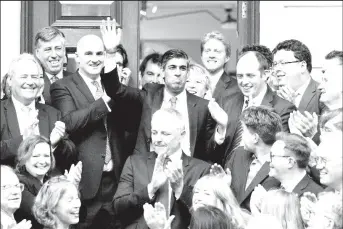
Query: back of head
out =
(173, 54)
(47, 34)
(300, 50)
(209, 217)
(263, 121)
(297, 146)
(264, 50)
(170, 115)
(284, 206)
(121, 50)
(335, 55)
(217, 36)
(153, 57)
(264, 221)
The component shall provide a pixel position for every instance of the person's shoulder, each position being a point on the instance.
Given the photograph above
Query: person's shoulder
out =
(152, 87)
(198, 163)
(47, 108)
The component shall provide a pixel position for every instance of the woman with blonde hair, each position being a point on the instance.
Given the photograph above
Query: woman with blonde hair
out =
(285, 206)
(211, 190)
(57, 204)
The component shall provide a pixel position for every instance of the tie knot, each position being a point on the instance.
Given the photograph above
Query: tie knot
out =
(96, 84)
(26, 109)
(173, 101)
(54, 78)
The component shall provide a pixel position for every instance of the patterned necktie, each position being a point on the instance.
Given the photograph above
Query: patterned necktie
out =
(246, 103)
(173, 102)
(254, 168)
(53, 79)
(98, 94)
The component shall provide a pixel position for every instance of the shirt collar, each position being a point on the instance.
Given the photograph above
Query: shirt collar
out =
(180, 97)
(59, 75)
(301, 90)
(263, 159)
(290, 184)
(257, 101)
(89, 80)
(19, 105)
(215, 78)
(176, 156)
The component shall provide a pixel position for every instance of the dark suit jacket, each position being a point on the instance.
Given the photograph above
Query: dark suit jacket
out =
(132, 192)
(10, 132)
(239, 165)
(83, 117)
(141, 104)
(307, 185)
(47, 84)
(225, 86)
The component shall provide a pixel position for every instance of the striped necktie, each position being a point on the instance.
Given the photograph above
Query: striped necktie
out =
(53, 79)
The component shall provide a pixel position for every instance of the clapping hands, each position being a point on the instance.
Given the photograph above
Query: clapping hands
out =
(217, 170)
(155, 217)
(74, 174)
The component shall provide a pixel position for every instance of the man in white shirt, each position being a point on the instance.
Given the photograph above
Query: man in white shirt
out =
(166, 175)
(21, 116)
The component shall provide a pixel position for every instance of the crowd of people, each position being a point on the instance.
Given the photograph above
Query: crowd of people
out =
(190, 147)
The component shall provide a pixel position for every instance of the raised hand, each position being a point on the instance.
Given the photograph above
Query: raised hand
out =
(111, 34)
(217, 113)
(30, 130)
(174, 173)
(256, 199)
(74, 174)
(307, 203)
(286, 93)
(217, 170)
(125, 76)
(156, 217)
(57, 133)
(24, 224)
(306, 123)
(158, 177)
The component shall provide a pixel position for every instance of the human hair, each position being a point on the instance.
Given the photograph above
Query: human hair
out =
(329, 115)
(174, 54)
(296, 145)
(26, 148)
(264, 221)
(335, 54)
(285, 206)
(262, 121)
(170, 115)
(5, 87)
(8, 169)
(23, 57)
(261, 59)
(121, 50)
(47, 34)
(300, 51)
(225, 199)
(197, 68)
(47, 199)
(65, 154)
(332, 202)
(154, 57)
(210, 217)
(264, 50)
(218, 36)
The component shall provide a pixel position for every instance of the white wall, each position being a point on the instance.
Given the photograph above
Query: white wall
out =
(318, 24)
(10, 33)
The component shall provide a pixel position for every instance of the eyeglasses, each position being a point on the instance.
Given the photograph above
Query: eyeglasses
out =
(10, 186)
(275, 64)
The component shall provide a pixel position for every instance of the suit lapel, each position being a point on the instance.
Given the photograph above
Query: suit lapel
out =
(43, 121)
(260, 176)
(308, 95)
(246, 161)
(268, 98)
(222, 84)
(301, 185)
(151, 164)
(82, 86)
(46, 90)
(193, 120)
(12, 119)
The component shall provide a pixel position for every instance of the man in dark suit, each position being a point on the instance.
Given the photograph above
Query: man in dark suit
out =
(289, 158)
(21, 116)
(92, 120)
(215, 54)
(200, 115)
(50, 51)
(249, 165)
(168, 179)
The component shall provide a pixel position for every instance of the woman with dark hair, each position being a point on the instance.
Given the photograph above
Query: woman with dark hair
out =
(210, 217)
(35, 164)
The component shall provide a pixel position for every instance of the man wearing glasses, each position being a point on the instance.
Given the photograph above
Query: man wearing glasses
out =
(289, 158)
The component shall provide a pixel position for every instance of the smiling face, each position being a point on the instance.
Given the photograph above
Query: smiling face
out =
(51, 54)
(175, 75)
(90, 55)
(68, 207)
(196, 83)
(10, 197)
(214, 55)
(152, 73)
(279, 163)
(26, 81)
(250, 78)
(203, 195)
(40, 161)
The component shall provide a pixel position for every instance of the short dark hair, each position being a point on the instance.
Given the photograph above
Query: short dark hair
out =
(335, 54)
(47, 34)
(208, 217)
(329, 115)
(174, 53)
(120, 49)
(263, 121)
(154, 57)
(300, 50)
(298, 146)
(264, 50)
(262, 60)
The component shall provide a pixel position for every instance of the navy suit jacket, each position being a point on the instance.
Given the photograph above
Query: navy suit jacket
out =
(132, 192)
(141, 104)
(307, 185)
(225, 86)
(10, 133)
(83, 117)
(239, 165)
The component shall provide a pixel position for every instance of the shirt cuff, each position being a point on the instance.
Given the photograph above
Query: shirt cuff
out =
(219, 138)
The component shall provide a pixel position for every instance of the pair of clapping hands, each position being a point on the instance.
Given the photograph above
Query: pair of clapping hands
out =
(74, 173)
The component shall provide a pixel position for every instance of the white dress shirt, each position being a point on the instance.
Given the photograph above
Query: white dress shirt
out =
(300, 92)
(24, 120)
(7, 221)
(290, 184)
(257, 101)
(215, 78)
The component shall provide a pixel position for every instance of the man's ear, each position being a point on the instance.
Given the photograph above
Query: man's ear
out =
(227, 58)
(256, 138)
(264, 75)
(77, 58)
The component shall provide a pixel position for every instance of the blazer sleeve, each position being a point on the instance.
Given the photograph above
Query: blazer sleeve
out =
(128, 202)
(285, 114)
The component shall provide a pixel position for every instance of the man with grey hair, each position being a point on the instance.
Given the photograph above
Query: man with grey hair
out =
(50, 51)
(21, 116)
(215, 54)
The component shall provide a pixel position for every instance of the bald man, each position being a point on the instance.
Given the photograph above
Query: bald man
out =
(96, 130)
